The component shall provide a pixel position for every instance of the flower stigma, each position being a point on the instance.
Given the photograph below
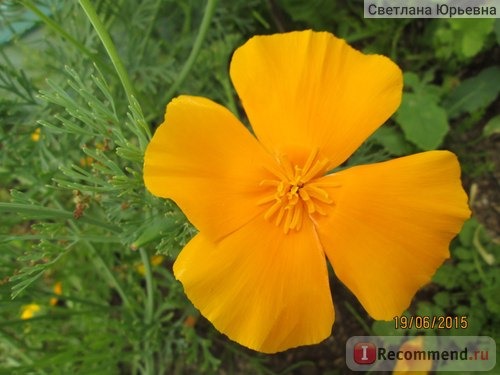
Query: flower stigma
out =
(295, 192)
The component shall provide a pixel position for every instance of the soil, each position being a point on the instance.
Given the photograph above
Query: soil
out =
(480, 160)
(485, 189)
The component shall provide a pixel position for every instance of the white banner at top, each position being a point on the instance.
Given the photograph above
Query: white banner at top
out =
(432, 9)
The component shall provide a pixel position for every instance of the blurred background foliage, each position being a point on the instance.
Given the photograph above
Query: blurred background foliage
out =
(86, 253)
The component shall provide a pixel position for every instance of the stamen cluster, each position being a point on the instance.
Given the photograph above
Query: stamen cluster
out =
(296, 193)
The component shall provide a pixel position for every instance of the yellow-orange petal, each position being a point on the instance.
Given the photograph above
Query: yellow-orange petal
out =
(391, 226)
(413, 367)
(308, 90)
(265, 290)
(204, 159)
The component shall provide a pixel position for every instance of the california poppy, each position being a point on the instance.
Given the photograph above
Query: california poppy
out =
(269, 211)
(415, 366)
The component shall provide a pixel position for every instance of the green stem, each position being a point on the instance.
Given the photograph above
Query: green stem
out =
(395, 40)
(90, 238)
(360, 320)
(487, 257)
(37, 212)
(202, 33)
(147, 33)
(109, 46)
(148, 309)
(100, 263)
(231, 103)
(96, 257)
(479, 268)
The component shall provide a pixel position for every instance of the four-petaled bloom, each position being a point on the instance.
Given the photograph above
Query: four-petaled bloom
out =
(267, 209)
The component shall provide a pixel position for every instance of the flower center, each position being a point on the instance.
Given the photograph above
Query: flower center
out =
(296, 193)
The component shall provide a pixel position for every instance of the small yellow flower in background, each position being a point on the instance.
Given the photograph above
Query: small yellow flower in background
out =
(269, 211)
(413, 367)
(58, 291)
(86, 161)
(155, 260)
(35, 136)
(29, 311)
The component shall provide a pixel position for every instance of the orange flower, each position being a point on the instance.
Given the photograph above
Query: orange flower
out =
(268, 210)
(413, 367)
(57, 291)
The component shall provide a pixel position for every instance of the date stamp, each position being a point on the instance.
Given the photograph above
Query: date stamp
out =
(430, 322)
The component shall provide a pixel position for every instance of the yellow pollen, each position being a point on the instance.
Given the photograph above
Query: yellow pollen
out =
(294, 194)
